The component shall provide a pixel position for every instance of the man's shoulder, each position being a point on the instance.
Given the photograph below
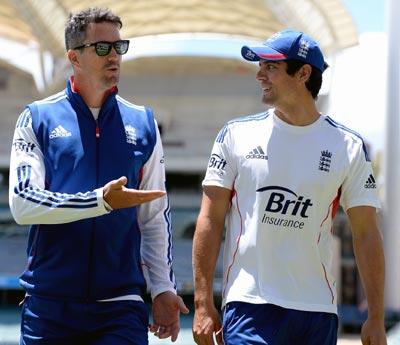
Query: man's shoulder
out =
(342, 129)
(53, 99)
(136, 116)
(248, 122)
(249, 119)
(243, 124)
(351, 139)
(129, 105)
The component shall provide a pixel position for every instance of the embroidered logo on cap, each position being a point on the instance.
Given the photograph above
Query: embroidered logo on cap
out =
(303, 49)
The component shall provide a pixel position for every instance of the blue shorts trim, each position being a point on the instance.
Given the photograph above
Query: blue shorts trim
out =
(268, 324)
(53, 322)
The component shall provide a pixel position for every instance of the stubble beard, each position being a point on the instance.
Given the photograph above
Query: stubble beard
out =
(266, 100)
(111, 81)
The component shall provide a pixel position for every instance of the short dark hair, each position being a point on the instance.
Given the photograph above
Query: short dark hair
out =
(76, 26)
(314, 83)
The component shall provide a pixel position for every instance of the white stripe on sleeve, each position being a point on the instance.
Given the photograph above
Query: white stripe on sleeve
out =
(29, 202)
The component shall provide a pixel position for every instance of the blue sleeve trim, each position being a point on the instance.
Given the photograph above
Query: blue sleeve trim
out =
(257, 117)
(167, 217)
(348, 130)
(24, 119)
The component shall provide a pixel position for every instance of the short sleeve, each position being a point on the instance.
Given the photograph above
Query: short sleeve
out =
(221, 169)
(359, 187)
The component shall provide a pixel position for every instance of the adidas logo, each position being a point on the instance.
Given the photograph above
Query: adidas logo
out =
(370, 183)
(58, 132)
(130, 132)
(257, 153)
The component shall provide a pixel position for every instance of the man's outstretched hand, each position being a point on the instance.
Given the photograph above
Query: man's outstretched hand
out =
(118, 196)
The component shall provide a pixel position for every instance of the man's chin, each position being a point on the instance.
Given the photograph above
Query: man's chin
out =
(266, 101)
(111, 81)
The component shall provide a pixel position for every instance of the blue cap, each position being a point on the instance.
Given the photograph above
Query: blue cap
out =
(285, 45)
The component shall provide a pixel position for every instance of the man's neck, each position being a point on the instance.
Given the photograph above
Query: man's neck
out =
(93, 96)
(301, 113)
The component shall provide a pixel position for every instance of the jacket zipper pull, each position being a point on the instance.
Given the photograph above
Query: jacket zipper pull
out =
(97, 132)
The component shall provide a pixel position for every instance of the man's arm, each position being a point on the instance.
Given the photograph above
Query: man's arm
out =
(206, 246)
(31, 203)
(368, 250)
(156, 248)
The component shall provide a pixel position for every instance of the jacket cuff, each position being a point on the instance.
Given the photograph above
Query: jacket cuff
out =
(160, 290)
(103, 206)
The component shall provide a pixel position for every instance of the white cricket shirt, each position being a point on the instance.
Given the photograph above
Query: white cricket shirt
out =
(287, 183)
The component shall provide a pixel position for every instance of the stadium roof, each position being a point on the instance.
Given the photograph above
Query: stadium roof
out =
(39, 24)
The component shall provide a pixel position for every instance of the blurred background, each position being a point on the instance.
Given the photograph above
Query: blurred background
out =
(184, 62)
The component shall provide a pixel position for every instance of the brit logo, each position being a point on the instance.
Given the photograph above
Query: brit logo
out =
(303, 49)
(130, 134)
(216, 162)
(370, 183)
(284, 207)
(325, 161)
(21, 145)
(250, 54)
(257, 153)
(59, 132)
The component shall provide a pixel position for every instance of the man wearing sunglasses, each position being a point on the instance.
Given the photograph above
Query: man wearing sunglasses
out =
(87, 170)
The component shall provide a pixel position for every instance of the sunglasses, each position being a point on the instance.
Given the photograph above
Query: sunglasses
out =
(103, 48)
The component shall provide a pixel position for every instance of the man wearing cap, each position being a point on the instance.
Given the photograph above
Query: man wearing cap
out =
(281, 176)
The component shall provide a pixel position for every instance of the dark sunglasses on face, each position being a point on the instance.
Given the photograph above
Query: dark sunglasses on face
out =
(103, 48)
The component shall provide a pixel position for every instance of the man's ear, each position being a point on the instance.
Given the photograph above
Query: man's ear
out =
(73, 57)
(304, 73)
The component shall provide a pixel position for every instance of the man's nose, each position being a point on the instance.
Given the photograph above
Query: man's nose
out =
(260, 75)
(113, 53)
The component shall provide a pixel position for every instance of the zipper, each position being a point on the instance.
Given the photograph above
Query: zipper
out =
(97, 150)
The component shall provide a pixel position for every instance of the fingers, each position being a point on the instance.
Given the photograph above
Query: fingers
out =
(161, 332)
(141, 196)
(218, 337)
(173, 327)
(118, 196)
(208, 339)
(117, 184)
(182, 307)
(153, 328)
(175, 331)
(133, 195)
(204, 339)
(204, 332)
